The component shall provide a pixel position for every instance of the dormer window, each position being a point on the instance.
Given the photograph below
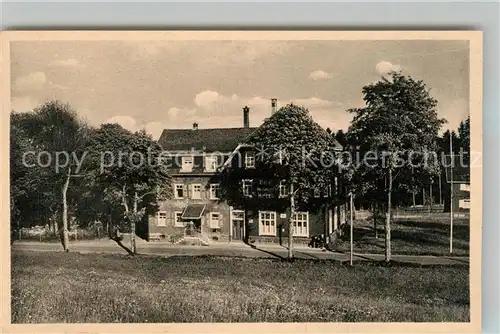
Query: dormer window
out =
(187, 164)
(210, 164)
(249, 160)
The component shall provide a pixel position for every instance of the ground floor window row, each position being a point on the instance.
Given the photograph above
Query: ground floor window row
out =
(192, 213)
(267, 220)
(268, 223)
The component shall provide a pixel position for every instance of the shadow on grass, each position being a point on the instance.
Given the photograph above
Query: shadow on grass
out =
(424, 234)
(311, 256)
(282, 258)
(355, 256)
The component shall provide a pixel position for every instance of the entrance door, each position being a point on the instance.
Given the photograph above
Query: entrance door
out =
(238, 222)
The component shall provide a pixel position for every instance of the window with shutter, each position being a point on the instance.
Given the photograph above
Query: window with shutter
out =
(179, 191)
(178, 222)
(196, 191)
(161, 218)
(215, 220)
(187, 164)
(214, 191)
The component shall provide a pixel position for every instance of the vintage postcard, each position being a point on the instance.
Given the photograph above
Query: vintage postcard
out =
(242, 181)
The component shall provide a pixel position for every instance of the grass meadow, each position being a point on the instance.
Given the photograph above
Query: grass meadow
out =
(96, 288)
(409, 237)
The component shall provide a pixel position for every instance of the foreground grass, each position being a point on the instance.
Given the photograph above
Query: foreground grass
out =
(71, 287)
(410, 237)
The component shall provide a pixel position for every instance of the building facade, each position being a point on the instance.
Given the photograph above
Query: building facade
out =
(195, 158)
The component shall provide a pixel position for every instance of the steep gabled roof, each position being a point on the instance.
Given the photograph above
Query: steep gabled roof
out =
(209, 140)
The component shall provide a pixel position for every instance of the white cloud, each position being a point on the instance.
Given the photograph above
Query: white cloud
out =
(126, 122)
(72, 62)
(384, 67)
(30, 82)
(320, 75)
(207, 98)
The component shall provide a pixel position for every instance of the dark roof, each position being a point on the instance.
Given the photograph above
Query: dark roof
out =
(210, 140)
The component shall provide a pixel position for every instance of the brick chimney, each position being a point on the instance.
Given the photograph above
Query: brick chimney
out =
(246, 117)
(195, 126)
(274, 105)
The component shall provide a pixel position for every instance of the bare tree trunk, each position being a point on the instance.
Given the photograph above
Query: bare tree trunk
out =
(132, 226)
(65, 235)
(388, 220)
(413, 191)
(290, 223)
(430, 198)
(118, 241)
(440, 190)
(114, 237)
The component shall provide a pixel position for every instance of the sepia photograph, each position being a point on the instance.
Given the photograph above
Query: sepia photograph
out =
(244, 177)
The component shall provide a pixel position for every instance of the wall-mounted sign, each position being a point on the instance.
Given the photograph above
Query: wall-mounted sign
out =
(282, 215)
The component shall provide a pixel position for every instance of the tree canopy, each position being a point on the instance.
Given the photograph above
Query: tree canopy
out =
(127, 172)
(395, 135)
(292, 152)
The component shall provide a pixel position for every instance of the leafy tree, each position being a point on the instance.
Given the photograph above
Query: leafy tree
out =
(464, 134)
(444, 151)
(128, 172)
(464, 141)
(54, 130)
(292, 148)
(26, 184)
(340, 136)
(397, 129)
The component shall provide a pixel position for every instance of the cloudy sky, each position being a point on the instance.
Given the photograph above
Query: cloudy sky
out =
(159, 84)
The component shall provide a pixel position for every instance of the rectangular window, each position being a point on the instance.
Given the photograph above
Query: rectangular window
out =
(247, 188)
(161, 218)
(267, 223)
(196, 193)
(211, 164)
(300, 222)
(316, 193)
(283, 189)
(215, 220)
(187, 164)
(249, 160)
(178, 220)
(178, 191)
(214, 191)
